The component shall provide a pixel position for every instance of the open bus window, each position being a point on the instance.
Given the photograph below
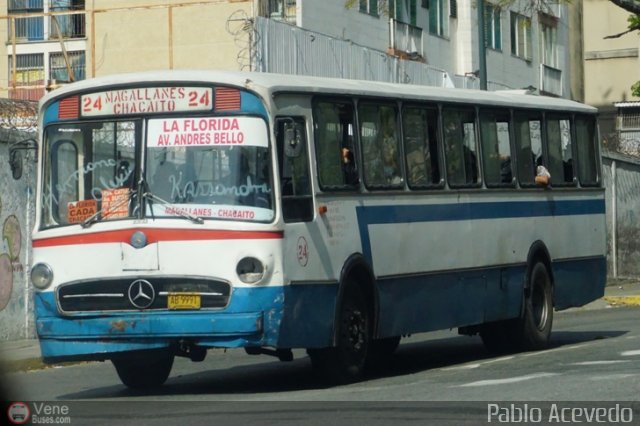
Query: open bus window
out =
(496, 148)
(460, 147)
(528, 145)
(560, 147)
(421, 147)
(210, 168)
(334, 123)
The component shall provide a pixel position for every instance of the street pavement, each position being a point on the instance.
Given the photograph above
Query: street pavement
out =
(22, 355)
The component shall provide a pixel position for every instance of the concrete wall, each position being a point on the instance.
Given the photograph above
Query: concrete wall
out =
(195, 36)
(622, 181)
(16, 217)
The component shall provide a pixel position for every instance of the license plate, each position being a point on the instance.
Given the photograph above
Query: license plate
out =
(183, 301)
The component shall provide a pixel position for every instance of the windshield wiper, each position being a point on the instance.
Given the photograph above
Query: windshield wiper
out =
(94, 217)
(176, 211)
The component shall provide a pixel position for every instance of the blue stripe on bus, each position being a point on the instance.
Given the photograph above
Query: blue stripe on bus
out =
(250, 103)
(51, 113)
(378, 215)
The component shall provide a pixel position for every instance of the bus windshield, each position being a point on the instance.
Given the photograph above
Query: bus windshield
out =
(93, 171)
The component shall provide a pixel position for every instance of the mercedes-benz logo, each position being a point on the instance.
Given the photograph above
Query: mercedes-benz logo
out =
(141, 294)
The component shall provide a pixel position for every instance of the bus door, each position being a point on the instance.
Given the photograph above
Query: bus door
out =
(309, 295)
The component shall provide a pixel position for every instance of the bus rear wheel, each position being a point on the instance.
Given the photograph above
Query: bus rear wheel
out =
(147, 370)
(532, 331)
(537, 320)
(345, 362)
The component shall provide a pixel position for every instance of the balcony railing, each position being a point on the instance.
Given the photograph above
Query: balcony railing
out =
(31, 27)
(550, 80)
(406, 38)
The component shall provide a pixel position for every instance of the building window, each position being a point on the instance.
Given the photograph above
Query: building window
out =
(369, 6)
(404, 11)
(493, 26)
(439, 17)
(29, 77)
(62, 72)
(549, 40)
(521, 36)
(284, 10)
(67, 25)
(26, 29)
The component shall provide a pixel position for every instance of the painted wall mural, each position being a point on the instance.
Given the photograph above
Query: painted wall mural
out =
(9, 256)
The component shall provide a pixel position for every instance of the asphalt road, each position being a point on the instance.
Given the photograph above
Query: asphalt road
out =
(436, 378)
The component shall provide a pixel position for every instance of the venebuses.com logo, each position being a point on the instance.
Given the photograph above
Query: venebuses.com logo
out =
(20, 413)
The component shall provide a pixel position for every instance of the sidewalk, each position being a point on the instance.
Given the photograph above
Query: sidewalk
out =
(21, 355)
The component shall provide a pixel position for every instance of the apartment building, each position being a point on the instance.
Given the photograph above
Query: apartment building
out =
(51, 42)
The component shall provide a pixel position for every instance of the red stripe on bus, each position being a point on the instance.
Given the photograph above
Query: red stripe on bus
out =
(154, 236)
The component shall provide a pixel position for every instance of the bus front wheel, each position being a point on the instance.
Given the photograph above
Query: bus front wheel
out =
(346, 361)
(144, 371)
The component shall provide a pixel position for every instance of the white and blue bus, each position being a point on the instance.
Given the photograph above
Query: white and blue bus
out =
(187, 210)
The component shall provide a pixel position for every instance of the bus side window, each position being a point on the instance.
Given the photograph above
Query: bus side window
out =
(293, 162)
(380, 145)
(560, 149)
(528, 147)
(587, 146)
(334, 124)
(421, 146)
(496, 148)
(460, 147)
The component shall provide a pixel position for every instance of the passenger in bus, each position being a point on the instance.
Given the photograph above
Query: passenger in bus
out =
(349, 170)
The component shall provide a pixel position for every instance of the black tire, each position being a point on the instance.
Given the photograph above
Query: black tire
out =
(345, 362)
(532, 331)
(144, 371)
(537, 320)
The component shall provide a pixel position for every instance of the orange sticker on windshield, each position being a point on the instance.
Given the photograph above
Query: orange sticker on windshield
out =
(81, 210)
(115, 203)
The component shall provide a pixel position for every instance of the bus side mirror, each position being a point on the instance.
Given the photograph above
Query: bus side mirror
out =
(15, 156)
(292, 140)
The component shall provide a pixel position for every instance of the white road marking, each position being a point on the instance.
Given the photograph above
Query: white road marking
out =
(477, 364)
(631, 353)
(509, 380)
(603, 362)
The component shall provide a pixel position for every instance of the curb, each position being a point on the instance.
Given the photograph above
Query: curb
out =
(623, 300)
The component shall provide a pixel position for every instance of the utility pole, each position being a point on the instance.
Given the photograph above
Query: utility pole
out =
(482, 49)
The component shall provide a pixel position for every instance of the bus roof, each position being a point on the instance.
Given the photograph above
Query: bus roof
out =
(268, 84)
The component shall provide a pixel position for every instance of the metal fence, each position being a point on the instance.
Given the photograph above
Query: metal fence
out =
(282, 48)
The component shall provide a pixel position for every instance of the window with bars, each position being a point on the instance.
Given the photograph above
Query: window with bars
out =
(28, 79)
(26, 29)
(405, 11)
(521, 36)
(58, 69)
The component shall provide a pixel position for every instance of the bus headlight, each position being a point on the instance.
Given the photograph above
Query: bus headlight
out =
(250, 270)
(41, 275)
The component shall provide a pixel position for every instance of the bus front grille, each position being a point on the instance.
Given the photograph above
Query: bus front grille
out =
(135, 294)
